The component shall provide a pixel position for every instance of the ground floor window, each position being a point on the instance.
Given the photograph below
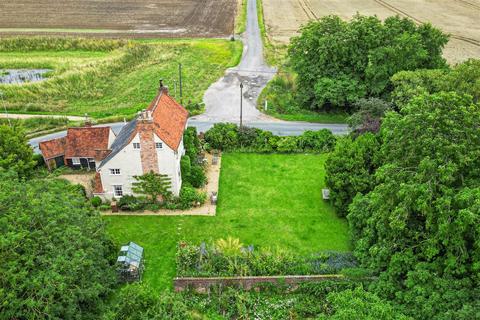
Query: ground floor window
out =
(76, 161)
(118, 191)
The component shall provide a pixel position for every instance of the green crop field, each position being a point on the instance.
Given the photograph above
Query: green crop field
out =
(117, 82)
(264, 200)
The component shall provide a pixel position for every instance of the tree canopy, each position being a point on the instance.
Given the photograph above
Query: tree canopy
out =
(350, 169)
(339, 62)
(15, 153)
(54, 251)
(420, 225)
(463, 78)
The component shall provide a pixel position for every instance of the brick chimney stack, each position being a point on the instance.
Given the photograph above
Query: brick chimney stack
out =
(162, 88)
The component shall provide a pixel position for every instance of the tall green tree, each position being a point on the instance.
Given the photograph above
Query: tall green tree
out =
(339, 62)
(154, 185)
(55, 255)
(15, 153)
(420, 226)
(463, 78)
(350, 169)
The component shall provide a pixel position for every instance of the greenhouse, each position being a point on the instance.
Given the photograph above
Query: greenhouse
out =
(130, 263)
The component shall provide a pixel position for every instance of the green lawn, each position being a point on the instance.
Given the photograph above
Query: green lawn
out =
(121, 82)
(265, 200)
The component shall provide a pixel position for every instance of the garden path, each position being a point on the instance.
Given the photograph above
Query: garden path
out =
(213, 176)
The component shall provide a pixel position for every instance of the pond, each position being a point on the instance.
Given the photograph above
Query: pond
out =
(17, 76)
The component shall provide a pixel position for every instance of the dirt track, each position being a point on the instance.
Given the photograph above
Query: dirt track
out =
(460, 18)
(168, 18)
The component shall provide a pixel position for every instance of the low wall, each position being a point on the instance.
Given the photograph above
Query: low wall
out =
(204, 284)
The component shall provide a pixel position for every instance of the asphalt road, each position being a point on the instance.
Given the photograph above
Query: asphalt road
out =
(278, 128)
(222, 99)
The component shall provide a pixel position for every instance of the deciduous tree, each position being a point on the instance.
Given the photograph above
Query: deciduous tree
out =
(339, 62)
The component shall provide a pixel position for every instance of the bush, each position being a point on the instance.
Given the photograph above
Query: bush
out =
(189, 197)
(185, 167)
(104, 207)
(228, 137)
(231, 258)
(222, 136)
(197, 177)
(130, 203)
(96, 201)
(317, 141)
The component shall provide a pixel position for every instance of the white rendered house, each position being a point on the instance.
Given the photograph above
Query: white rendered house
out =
(153, 141)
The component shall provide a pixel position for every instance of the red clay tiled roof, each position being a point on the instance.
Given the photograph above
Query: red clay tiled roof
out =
(169, 118)
(52, 148)
(98, 187)
(83, 142)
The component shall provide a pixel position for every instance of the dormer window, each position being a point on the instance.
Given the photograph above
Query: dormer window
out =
(136, 145)
(158, 145)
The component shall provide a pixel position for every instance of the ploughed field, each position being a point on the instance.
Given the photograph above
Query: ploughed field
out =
(139, 18)
(459, 18)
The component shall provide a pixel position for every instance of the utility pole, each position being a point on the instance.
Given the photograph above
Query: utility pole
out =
(241, 104)
(180, 81)
(5, 108)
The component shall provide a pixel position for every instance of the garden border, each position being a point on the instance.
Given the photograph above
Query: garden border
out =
(203, 284)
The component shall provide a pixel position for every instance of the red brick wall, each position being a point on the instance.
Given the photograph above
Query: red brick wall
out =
(148, 152)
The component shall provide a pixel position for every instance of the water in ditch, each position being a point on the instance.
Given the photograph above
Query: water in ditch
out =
(18, 76)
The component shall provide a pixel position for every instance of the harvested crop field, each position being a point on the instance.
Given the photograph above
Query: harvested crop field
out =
(459, 18)
(133, 18)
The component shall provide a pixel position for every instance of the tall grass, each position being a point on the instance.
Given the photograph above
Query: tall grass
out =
(59, 44)
(121, 82)
(34, 125)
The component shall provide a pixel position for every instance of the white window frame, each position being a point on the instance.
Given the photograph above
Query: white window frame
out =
(76, 161)
(115, 172)
(159, 145)
(115, 194)
(136, 145)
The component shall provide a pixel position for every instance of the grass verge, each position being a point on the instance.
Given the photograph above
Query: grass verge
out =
(275, 54)
(241, 18)
(265, 200)
(119, 82)
(282, 102)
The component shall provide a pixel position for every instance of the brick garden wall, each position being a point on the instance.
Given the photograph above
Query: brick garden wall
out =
(203, 284)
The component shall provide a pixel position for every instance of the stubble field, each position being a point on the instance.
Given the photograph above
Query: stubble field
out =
(459, 18)
(138, 18)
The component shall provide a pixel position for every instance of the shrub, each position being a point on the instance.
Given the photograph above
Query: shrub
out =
(286, 144)
(185, 166)
(229, 137)
(317, 141)
(130, 203)
(96, 201)
(197, 177)
(104, 207)
(231, 258)
(189, 197)
(222, 136)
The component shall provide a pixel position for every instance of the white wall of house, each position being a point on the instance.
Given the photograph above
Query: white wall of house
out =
(129, 162)
(169, 164)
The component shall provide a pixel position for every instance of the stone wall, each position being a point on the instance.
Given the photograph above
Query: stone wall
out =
(203, 284)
